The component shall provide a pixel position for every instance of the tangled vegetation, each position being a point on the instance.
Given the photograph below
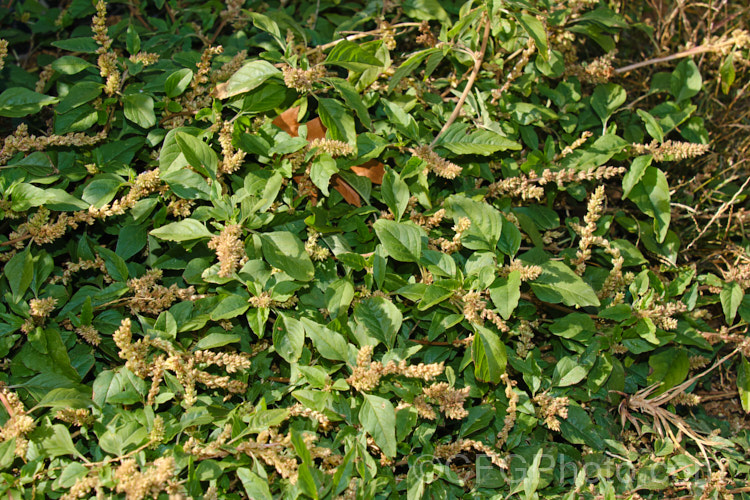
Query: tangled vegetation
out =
(370, 249)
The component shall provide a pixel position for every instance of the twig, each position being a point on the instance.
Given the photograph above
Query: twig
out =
(719, 212)
(15, 240)
(701, 49)
(357, 36)
(470, 83)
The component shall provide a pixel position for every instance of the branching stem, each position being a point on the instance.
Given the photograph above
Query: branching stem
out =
(478, 58)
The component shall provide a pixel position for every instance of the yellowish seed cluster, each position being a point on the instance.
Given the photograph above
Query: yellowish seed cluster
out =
(661, 314)
(670, 150)
(230, 67)
(528, 272)
(367, 374)
(43, 78)
(82, 488)
(451, 401)
(21, 141)
(144, 184)
(3, 52)
(453, 245)
(41, 308)
(475, 308)
(315, 251)
(80, 417)
(150, 297)
(139, 483)
(231, 158)
(145, 58)
(18, 425)
(439, 166)
(510, 413)
(187, 367)
(302, 80)
(450, 450)
(333, 148)
(229, 249)
(586, 232)
(550, 408)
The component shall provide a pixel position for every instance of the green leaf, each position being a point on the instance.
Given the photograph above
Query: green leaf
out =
(216, 339)
(558, 283)
(731, 296)
(285, 251)
(378, 418)
(402, 241)
(652, 126)
(408, 66)
(380, 318)
(606, 99)
(20, 272)
(323, 168)
(505, 293)
(16, 102)
(177, 82)
(230, 306)
(651, 195)
(352, 56)
(481, 142)
(248, 77)
(184, 230)
(288, 338)
(426, 10)
(338, 297)
(198, 154)
(81, 93)
(670, 367)
(26, 196)
(635, 173)
(395, 193)
(536, 31)
(70, 65)
(486, 222)
(338, 120)
(140, 110)
(686, 80)
(488, 354)
(568, 371)
(743, 383)
(132, 40)
(575, 326)
(54, 441)
(727, 73)
(84, 44)
(331, 345)
(67, 397)
(255, 487)
(403, 121)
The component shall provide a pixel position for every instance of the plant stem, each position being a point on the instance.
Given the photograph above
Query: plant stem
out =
(478, 58)
(701, 49)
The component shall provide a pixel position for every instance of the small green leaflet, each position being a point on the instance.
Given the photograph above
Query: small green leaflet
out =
(731, 296)
(378, 417)
(488, 353)
(19, 101)
(352, 56)
(331, 345)
(651, 194)
(285, 251)
(402, 241)
(743, 383)
(184, 230)
(248, 77)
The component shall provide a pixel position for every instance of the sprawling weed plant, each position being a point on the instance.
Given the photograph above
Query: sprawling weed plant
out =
(359, 250)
